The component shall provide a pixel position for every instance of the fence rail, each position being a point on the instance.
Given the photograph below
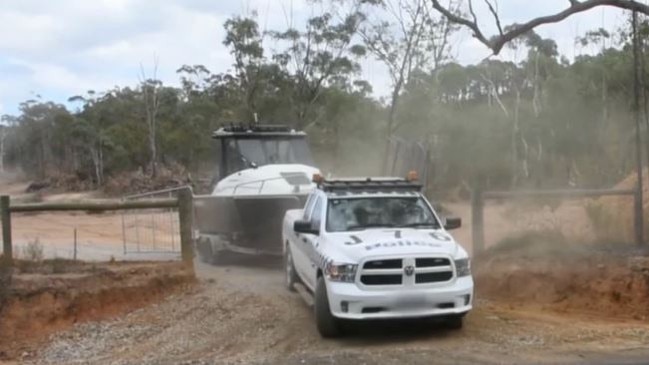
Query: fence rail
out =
(568, 193)
(478, 198)
(183, 203)
(169, 191)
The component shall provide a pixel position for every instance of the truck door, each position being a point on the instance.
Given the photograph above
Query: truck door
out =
(300, 260)
(309, 243)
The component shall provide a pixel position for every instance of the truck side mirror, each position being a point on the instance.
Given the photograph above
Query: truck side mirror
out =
(451, 223)
(305, 227)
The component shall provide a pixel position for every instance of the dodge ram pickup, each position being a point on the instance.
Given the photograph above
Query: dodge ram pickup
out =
(374, 248)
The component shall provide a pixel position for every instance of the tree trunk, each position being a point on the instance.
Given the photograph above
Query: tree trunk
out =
(526, 155)
(101, 162)
(41, 159)
(515, 131)
(390, 128)
(95, 161)
(643, 87)
(152, 147)
(2, 150)
(536, 99)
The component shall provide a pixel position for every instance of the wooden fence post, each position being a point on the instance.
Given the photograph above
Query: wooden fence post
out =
(185, 214)
(477, 220)
(7, 248)
(638, 215)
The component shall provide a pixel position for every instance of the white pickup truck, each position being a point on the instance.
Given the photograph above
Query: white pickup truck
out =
(374, 248)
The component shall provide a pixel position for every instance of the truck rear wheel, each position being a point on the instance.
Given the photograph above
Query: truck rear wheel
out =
(289, 267)
(328, 325)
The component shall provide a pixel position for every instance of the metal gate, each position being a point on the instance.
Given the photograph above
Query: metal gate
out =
(154, 230)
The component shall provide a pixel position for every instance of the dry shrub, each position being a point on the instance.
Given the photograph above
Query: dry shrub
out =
(33, 251)
(58, 181)
(138, 181)
(58, 265)
(533, 242)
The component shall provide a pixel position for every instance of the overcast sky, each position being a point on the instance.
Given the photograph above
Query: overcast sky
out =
(61, 48)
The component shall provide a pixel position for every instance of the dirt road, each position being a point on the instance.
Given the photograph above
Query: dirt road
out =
(243, 315)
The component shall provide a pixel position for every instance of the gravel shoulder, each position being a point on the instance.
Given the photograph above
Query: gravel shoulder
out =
(243, 315)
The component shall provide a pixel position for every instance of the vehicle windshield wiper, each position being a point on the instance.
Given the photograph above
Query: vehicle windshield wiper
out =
(420, 224)
(370, 225)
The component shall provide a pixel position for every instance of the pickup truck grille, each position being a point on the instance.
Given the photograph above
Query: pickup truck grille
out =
(432, 262)
(433, 277)
(406, 271)
(384, 264)
(382, 279)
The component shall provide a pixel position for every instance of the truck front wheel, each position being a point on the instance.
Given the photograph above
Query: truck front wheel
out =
(289, 266)
(327, 324)
(454, 322)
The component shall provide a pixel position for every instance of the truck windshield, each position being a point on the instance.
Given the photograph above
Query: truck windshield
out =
(348, 214)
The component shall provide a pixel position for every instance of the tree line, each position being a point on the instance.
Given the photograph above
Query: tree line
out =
(536, 120)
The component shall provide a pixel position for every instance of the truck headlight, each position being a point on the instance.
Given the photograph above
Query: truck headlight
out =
(340, 272)
(463, 267)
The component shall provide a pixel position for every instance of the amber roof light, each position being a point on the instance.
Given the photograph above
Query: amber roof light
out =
(412, 176)
(318, 179)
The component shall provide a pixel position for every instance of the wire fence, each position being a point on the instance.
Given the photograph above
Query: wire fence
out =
(151, 231)
(71, 235)
(97, 230)
(579, 216)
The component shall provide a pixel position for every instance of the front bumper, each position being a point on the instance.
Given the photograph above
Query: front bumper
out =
(348, 301)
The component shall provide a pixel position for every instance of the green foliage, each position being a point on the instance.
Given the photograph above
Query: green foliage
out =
(536, 121)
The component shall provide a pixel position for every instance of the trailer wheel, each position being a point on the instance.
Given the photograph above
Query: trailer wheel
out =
(204, 249)
(327, 324)
(289, 267)
(219, 258)
(208, 254)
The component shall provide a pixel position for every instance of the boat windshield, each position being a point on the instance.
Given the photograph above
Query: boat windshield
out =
(243, 153)
(275, 151)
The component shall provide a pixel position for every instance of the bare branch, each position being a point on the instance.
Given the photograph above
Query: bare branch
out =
(496, 17)
(472, 25)
(475, 18)
(497, 43)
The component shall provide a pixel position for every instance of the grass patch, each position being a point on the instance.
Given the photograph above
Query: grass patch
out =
(50, 266)
(552, 243)
(606, 223)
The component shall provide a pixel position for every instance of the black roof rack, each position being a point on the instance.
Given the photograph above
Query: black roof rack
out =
(241, 130)
(370, 185)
